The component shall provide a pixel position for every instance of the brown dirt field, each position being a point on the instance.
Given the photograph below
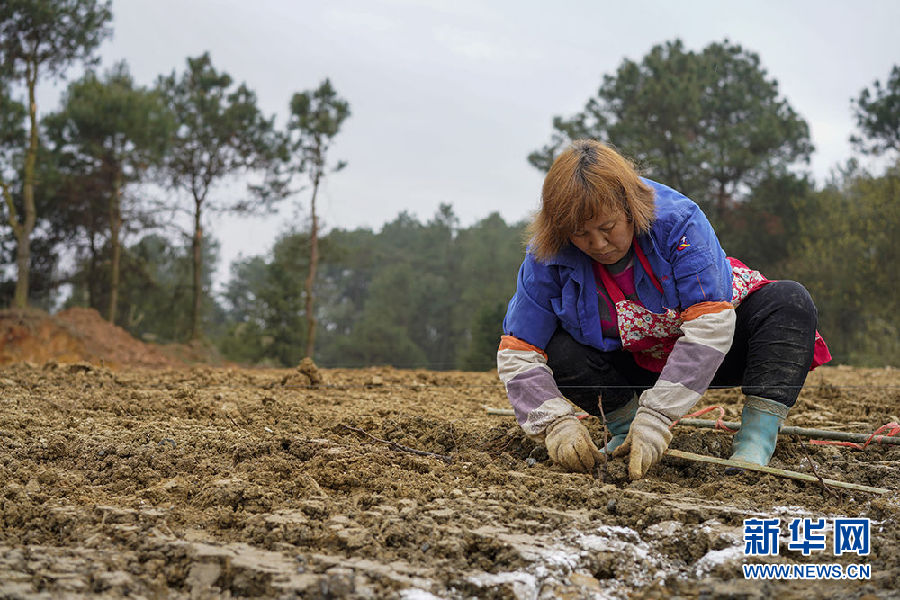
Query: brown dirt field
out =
(209, 482)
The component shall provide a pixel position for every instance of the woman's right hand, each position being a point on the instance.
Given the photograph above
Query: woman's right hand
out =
(647, 440)
(569, 445)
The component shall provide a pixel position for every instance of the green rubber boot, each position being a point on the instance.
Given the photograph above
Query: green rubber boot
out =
(618, 422)
(760, 421)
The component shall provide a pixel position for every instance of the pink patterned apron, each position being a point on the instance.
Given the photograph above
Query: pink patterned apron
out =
(651, 336)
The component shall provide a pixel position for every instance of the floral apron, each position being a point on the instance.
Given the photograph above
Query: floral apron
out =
(651, 336)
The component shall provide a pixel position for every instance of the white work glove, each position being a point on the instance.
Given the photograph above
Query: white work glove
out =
(569, 445)
(647, 440)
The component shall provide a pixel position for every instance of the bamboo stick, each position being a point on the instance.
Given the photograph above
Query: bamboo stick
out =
(774, 471)
(824, 434)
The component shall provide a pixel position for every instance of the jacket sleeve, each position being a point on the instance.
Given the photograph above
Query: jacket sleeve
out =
(521, 361)
(530, 387)
(530, 316)
(703, 278)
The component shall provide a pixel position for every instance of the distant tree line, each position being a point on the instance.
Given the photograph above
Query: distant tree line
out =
(91, 192)
(411, 295)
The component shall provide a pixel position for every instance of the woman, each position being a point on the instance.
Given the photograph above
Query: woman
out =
(626, 299)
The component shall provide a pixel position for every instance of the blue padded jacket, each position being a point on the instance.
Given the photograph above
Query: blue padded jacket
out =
(681, 248)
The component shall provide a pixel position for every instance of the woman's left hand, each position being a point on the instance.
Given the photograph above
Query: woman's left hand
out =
(647, 440)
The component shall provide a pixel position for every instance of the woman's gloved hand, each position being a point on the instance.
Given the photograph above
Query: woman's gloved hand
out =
(569, 445)
(647, 440)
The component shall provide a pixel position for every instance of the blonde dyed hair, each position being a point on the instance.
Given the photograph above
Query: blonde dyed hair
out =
(588, 179)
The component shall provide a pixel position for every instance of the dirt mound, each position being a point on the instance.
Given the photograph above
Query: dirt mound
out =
(73, 335)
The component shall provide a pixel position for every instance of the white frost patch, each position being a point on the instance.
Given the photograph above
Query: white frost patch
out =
(616, 530)
(417, 594)
(664, 529)
(524, 585)
(610, 538)
(713, 558)
(626, 542)
(560, 558)
(554, 558)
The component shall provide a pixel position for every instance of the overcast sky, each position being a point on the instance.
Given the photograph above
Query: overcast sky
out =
(449, 97)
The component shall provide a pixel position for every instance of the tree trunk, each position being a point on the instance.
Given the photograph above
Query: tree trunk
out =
(23, 231)
(115, 225)
(197, 246)
(311, 279)
(23, 264)
(93, 296)
(721, 204)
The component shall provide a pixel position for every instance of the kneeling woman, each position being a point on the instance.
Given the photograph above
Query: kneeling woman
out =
(626, 299)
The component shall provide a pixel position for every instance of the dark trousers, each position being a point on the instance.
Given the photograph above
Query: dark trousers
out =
(770, 357)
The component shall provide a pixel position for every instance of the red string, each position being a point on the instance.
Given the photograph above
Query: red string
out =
(720, 424)
(893, 428)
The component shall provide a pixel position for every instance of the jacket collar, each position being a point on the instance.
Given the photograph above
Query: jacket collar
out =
(569, 256)
(572, 257)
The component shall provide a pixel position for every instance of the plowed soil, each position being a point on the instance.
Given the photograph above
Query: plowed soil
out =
(206, 483)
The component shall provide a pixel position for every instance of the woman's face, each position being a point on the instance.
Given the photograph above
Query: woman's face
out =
(605, 238)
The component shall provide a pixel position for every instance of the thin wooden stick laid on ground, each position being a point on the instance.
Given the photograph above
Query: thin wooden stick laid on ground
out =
(774, 471)
(400, 447)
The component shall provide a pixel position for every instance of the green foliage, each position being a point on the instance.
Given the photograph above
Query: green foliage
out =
(390, 329)
(59, 212)
(155, 301)
(877, 113)
(413, 295)
(709, 124)
(39, 38)
(106, 127)
(116, 131)
(846, 254)
(73, 199)
(12, 127)
(12, 136)
(265, 305)
(489, 254)
(111, 124)
(219, 133)
(12, 142)
(486, 329)
(245, 339)
(50, 35)
(760, 230)
(649, 110)
(316, 118)
(43, 282)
